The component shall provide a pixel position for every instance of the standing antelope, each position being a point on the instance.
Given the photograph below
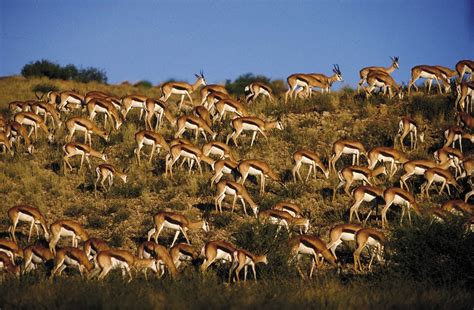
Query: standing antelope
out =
(93, 246)
(340, 233)
(383, 80)
(463, 67)
(183, 252)
(238, 191)
(194, 123)
(401, 197)
(386, 154)
(159, 109)
(221, 167)
(456, 133)
(283, 219)
(47, 110)
(35, 255)
(80, 123)
(243, 259)
(133, 101)
(258, 168)
(229, 105)
(177, 222)
(369, 237)
(209, 89)
(8, 266)
(361, 194)
(438, 175)
(406, 126)
(255, 89)
(350, 147)
(310, 158)
(35, 121)
(26, 213)
(446, 153)
(99, 105)
(73, 149)
(365, 71)
(66, 228)
(182, 88)
(464, 96)
(356, 173)
(149, 249)
(17, 131)
(107, 172)
(11, 249)
(313, 246)
(294, 81)
(147, 137)
(418, 167)
(289, 207)
(217, 148)
(320, 81)
(217, 250)
(69, 100)
(187, 151)
(115, 259)
(459, 207)
(254, 124)
(72, 257)
(427, 72)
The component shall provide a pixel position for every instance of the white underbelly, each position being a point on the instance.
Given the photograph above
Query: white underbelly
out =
(303, 249)
(250, 127)
(66, 233)
(372, 242)
(230, 191)
(400, 201)
(358, 176)
(222, 255)
(427, 75)
(79, 127)
(346, 236)
(191, 126)
(383, 158)
(253, 171)
(118, 264)
(368, 197)
(348, 150)
(420, 171)
(437, 178)
(71, 262)
(306, 160)
(172, 226)
(25, 217)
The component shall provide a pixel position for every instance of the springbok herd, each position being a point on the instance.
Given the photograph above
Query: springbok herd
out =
(449, 168)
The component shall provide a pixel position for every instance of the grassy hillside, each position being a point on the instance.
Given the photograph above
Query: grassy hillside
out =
(123, 215)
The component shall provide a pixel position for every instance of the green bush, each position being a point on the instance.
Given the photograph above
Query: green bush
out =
(143, 84)
(69, 72)
(441, 253)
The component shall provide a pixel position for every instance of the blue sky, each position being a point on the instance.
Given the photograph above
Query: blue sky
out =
(158, 40)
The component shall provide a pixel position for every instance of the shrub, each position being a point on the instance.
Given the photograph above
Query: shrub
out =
(73, 211)
(435, 252)
(238, 85)
(95, 221)
(69, 72)
(44, 88)
(143, 84)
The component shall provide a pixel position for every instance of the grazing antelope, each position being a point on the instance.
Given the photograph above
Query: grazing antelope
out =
(320, 81)
(313, 246)
(94, 94)
(149, 249)
(69, 100)
(361, 194)
(177, 222)
(36, 255)
(93, 246)
(221, 167)
(257, 168)
(47, 110)
(105, 106)
(133, 101)
(438, 175)
(229, 105)
(446, 153)
(214, 97)
(254, 124)
(187, 151)
(458, 207)
(71, 257)
(243, 259)
(406, 126)
(6, 144)
(386, 154)
(289, 207)
(159, 109)
(217, 148)
(384, 81)
(7, 266)
(365, 71)
(66, 228)
(35, 121)
(73, 149)
(356, 173)
(340, 233)
(27, 213)
(427, 72)
(372, 238)
(255, 89)
(418, 167)
(115, 259)
(107, 172)
(349, 147)
(194, 123)
(310, 158)
(18, 106)
(11, 249)
(401, 197)
(202, 112)
(217, 250)
(284, 219)
(17, 131)
(466, 120)
(209, 89)
(456, 133)
(147, 137)
(226, 187)
(80, 123)
(182, 88)
(463, 67)
(183, 252)
(464, 96)
(294, 81)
